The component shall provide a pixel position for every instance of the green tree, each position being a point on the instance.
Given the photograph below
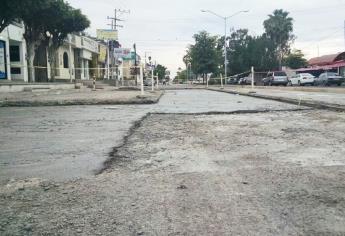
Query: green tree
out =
(160, 70)
(203, 54)
(279, 28)
(63, 20)
(9, 11)
(295, 60)
(34, 13)
(48, 21)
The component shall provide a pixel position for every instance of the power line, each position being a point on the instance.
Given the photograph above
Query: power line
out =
(114, 20)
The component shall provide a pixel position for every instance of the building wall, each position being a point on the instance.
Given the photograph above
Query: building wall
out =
(16, 67)
(65, 63)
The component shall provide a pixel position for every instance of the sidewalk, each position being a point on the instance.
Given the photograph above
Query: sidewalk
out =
(328, 99)
(77, 97)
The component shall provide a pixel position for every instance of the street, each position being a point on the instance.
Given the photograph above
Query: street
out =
(39, 141)
(197, 163)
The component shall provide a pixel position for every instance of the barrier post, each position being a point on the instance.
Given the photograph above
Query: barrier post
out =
(221, 81)
(142, 81)
(153, 80)
(94, 83)
(253, 77)
(157, 81)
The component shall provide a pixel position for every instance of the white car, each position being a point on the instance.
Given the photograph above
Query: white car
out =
(302, 79)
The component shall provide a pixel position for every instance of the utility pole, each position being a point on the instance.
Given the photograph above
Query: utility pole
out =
(114, 25)
(116, 19)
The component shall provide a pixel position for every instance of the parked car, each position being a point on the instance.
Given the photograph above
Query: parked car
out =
(232, 81)
(246, 80)
(276, 78)
(329, 78)
(148, 82)
(241, 81)
(302, 79)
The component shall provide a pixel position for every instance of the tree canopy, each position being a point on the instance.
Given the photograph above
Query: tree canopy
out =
(279, 28)
(44, 20)
(161, 71)
(9, 11)
(264, 52)
(204, 55)
(295, 60)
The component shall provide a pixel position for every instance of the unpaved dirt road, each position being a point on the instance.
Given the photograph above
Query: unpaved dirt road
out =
(251, 173)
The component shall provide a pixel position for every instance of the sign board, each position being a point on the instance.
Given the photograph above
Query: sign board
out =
(104, 34)
(130, 57)
(90, 44)
(3, 74)
(102, 53)
(122, 52)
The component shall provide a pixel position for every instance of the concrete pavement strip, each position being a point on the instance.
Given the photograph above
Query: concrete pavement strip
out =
(86, 99)
(302, 102)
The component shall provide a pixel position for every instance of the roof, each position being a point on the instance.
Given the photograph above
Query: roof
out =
(324, 67)
(327, 59)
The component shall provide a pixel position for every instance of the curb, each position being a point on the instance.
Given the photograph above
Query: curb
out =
(313, 104)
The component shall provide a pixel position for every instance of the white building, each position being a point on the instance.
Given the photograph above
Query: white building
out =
(13, 66)
(73, 59)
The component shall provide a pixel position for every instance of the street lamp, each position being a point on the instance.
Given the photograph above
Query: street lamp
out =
(225, 18)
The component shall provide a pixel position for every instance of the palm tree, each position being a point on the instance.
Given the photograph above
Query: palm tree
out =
(279, 28)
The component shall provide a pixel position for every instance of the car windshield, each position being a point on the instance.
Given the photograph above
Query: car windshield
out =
(280, 73)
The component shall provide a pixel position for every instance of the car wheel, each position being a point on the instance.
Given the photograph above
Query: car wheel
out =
(339, 84)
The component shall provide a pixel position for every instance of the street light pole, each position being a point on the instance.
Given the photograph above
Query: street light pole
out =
(225, 35)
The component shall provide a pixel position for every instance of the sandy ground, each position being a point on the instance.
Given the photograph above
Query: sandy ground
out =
(276, 173)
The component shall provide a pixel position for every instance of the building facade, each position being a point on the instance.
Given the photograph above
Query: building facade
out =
(13, 65)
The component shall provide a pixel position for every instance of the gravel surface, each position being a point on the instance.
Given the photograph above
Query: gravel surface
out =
(276, 173)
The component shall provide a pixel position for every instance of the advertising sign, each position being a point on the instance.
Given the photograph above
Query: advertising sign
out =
(130, 57)
(104, 34)
(122, 52)
(3, 74)
(102, 53)
(90, 44)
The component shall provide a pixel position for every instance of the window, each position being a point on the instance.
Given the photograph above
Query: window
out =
(279, 73)
(16, 71)
(65, 60)
(14, 53)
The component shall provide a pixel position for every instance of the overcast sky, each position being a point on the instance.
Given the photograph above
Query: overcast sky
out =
(164, 28)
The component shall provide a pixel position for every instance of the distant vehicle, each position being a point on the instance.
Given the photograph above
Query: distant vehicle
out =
(302, 79)
(276, 78)
(233, 80)
(148, 82)
(246, 80)
(241, 81)
(329, 78)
